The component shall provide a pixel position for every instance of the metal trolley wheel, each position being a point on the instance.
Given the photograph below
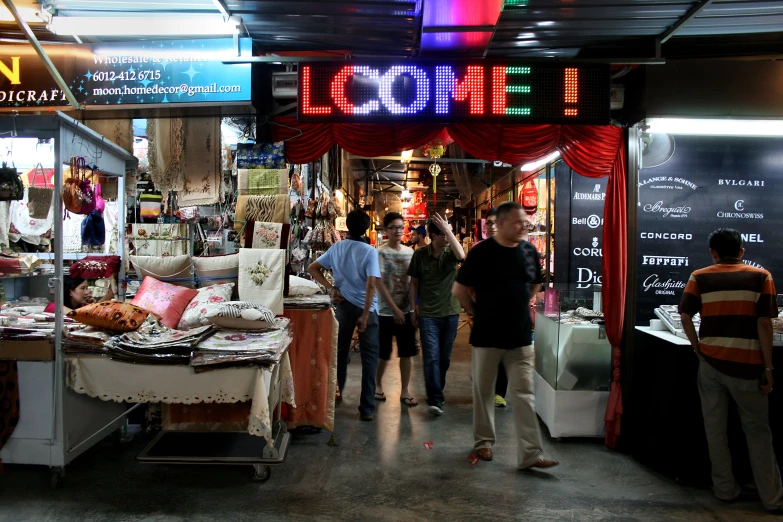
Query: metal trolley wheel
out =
(261, 473)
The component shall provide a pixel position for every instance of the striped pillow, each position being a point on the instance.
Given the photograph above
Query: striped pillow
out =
(241, 315)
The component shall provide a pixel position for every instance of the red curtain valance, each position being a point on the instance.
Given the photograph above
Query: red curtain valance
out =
(592, 151)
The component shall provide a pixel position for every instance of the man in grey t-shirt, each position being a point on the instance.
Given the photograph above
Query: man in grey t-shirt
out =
(394, 308)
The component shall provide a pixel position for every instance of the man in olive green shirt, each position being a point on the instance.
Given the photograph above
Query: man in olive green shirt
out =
(432, 270)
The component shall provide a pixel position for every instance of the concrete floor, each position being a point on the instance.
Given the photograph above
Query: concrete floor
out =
(379, 471)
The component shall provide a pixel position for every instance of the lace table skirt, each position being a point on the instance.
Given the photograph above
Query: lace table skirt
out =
(109, 380)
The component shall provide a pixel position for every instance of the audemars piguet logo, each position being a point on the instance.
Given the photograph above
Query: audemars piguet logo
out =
(740, 182)
(659, 287)
(596, 195)
(674, 212)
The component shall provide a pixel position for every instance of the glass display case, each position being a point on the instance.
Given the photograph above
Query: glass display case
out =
(573, 361)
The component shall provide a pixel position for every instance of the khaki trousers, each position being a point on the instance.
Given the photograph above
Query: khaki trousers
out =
(520, 365)
(715, 389)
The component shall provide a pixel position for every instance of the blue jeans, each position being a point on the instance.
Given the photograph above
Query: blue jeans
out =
(347, 317)
(437, 340)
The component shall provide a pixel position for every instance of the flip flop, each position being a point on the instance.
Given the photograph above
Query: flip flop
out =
(409, 402)
(380, 397)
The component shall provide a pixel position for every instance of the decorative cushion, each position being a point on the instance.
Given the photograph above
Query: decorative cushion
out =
(261, 276)
(95, 267)
(161, 268)
(111, 315)
(301, 286)
(209, 295)
(262, 234)
(241, 315)
(164, 300)
(212, 270)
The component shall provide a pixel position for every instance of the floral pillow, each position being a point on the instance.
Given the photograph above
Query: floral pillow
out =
(164, 300)
(193, 317)
(111, 315)
(241, 315)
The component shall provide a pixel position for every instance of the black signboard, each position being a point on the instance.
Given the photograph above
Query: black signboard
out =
(579, 228)
(709, 183)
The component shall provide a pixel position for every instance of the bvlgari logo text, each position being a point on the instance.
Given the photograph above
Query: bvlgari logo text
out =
(667, 183)
(674, 212)
(659, 287)
(740, 183)
(665, 260)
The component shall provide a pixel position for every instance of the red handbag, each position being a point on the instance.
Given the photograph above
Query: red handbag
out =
(529, 197)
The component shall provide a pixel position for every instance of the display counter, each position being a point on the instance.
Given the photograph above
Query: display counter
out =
(666, 429)
(573, 364)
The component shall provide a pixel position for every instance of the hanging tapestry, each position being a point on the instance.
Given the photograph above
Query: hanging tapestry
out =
(260, 182)
(160, 240)
(273, 209)
(165, 137)
(202, 175)
(120, 132)
(261, 275)
(259, 234)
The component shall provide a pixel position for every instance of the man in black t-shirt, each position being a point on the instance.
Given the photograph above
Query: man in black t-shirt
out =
(502, 272)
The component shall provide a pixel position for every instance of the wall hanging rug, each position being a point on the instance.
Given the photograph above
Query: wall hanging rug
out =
(165, 153)
(262, 234)
(202, 175)
(261, 156)
(262, 182)
(160, 240)
(273, 209)
(9, 402)
(112, 231)
(27, 225)
(261, 275)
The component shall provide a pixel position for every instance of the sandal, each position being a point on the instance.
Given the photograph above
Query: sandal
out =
(410, 402)
(380, 397)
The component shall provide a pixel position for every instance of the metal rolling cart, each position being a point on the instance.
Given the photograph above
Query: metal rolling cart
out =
(57, 425)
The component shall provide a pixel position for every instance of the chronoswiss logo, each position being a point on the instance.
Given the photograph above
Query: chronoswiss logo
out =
(740, 208)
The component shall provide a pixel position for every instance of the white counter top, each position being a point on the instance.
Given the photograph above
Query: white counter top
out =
(665, 335)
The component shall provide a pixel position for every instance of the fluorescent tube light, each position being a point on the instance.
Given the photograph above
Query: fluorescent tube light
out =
(527, 167)
(157, 25)
(28, 14)
(715, 127)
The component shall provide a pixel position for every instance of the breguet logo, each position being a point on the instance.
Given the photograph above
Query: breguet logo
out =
(674, 212)
(665, 260)
(667, 183)
(659, 287)
(13, 73)
(740, 183)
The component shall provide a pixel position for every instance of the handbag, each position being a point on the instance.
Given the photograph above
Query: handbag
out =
(77, 193)
(39, 199)
(149, 206)
(100, 203)
(26, 224)
(11, 187)
(93, 230)
(529, 197)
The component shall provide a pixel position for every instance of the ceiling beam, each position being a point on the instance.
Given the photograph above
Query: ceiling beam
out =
(687, 17)
(222, 7)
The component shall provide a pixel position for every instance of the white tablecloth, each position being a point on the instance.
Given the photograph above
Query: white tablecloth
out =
(109, 380)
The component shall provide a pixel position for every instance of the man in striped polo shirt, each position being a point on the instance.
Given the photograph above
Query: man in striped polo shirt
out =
(734, 346)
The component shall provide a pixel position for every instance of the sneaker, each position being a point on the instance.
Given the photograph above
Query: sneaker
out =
(366, 418)
(500, 402)
(436, 409)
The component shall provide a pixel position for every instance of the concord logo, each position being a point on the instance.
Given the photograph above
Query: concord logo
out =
(672, 236)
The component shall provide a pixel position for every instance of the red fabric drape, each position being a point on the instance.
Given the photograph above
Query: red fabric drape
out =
(592, 151)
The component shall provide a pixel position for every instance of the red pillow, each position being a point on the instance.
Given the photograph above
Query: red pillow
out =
(163, 299)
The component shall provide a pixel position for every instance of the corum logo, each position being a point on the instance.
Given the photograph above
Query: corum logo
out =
(12, 73)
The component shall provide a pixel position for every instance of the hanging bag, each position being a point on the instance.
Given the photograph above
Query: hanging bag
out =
(11, 187)
(39, 199)
(529, 197)
(100, 203)
(77, 192)
(88, 191)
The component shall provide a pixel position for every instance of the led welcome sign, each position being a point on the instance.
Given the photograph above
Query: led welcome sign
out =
(535, 93)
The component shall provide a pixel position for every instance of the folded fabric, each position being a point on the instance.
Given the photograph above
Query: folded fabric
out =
(261, 156)
(260, 234)
(24, 223)
(262, 182)
(299, 286)
(193, 316)
(94, 267)
(111, 315)
(261, 277)
(273, 209)
(242, 315)
(149, 206)
(211, 270)
(164, 300)
(171, 267)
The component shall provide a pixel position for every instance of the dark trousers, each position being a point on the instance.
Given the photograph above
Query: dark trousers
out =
(501, 385)
(437, 341)
(347, 317)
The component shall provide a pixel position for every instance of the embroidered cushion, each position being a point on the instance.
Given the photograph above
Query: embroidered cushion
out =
(171, 267)
(111, 315)
(209, 295)
(241, 315)
(299, 286)
(164, 300)
(95, 267)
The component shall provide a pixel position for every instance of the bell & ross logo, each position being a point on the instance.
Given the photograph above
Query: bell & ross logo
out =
(740, 183)
(668, 236)
(592, 221)
(665, 260)
(673, 212)
(740, 213)
(667, 183)
(659, 287)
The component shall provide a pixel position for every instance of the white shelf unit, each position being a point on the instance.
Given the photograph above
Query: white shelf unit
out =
(56, 424)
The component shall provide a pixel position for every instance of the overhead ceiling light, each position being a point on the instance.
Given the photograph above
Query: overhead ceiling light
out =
(158, 25)
(526, 36)
(716, 127)
(527, 167)
(28, 14)
(546, 23)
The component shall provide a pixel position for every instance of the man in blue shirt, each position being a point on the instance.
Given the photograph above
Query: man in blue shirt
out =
(354, 265)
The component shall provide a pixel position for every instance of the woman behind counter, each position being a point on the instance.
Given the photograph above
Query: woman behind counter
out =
(77, 294)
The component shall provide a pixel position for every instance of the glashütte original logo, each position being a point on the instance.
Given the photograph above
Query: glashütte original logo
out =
(665, 260)
(667, 183)
(596, 195)
(739, 207)
(668, 236)
(590, 252)
(674, 212)
(740, 182)
(668, 287)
